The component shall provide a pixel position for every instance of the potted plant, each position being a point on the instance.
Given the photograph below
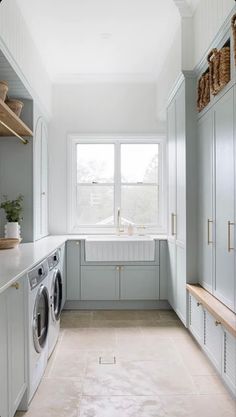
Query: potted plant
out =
(13, 210)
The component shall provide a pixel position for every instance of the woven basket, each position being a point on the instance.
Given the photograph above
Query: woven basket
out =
(15, 105)
(3, 90)
(233, 24)
(6, 243)
(203, 91)
(219, 67)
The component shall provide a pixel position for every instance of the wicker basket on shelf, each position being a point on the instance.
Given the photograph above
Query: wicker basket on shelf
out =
(219, 67)
(3, 90)
(233, 24)
(203, 91)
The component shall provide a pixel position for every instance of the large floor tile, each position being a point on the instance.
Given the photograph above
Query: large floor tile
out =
(88, 339)
(55, 398)
(138, 378)
(193, 357)
(76, 319)
(209, 384)
(198, 406)
(121, 407)
(67, 364)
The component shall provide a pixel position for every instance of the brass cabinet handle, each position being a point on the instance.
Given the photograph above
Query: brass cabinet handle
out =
(209, 241)
(173, 224)
(199, 304)
(16, 285)
(117, 268)
(229, 236)
(217, 323)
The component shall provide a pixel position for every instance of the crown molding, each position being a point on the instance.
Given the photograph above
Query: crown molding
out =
(184, 7)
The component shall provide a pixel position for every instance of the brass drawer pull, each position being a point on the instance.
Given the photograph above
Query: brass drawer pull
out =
(217, 323)
(16, 285)
(199, 304)
(229, 236)
(173, 224)
(209, 241)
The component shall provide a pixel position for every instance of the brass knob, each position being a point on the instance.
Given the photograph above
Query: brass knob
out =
(217, 323)
(118, 268)
(16, 285)
(199, 304)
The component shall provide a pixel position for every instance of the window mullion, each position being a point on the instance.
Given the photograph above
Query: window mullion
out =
(117, 185)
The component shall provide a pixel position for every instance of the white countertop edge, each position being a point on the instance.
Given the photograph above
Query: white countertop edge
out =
(28, 255)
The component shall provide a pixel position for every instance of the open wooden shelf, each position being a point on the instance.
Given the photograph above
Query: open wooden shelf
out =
(214, 306)
(8, 117)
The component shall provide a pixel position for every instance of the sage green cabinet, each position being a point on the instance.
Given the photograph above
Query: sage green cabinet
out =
(139, 282)
(73, 270)
(16, 318)
(13, 348)
(99, 283)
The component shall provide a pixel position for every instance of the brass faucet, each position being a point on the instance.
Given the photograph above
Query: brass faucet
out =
(119, 229)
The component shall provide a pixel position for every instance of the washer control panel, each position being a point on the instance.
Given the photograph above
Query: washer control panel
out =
(37, 274)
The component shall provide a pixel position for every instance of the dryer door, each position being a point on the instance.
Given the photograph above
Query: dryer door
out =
(56, 295)
(41, 318)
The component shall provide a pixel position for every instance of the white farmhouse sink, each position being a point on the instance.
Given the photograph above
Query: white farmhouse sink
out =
(112, 248)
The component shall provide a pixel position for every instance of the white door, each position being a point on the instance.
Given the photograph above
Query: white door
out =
(171, 170)
(225, 200)
(205, 201)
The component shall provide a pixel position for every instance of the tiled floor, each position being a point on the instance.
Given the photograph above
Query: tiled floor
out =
(159, 371)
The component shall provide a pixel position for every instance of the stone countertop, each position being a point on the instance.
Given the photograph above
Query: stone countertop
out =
(14, 263)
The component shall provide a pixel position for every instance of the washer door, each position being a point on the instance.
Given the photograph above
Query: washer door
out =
(41, 318)
(56, 295)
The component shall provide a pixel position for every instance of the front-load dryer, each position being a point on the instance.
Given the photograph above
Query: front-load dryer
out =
(56, 298)
(38, 331)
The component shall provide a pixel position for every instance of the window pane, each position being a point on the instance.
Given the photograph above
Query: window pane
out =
(139, 204)
(139, 163)
(95, 205)
(95, 163)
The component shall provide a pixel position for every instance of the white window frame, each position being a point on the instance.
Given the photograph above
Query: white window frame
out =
(117, 140)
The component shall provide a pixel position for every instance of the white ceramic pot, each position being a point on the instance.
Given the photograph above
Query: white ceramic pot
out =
(12, 230)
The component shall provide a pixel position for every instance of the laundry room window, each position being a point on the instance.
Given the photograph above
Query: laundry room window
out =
(106, 174)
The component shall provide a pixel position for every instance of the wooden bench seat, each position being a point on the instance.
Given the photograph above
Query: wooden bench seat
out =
(221, 313)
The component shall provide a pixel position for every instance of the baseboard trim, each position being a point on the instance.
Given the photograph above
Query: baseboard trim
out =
(118, 305)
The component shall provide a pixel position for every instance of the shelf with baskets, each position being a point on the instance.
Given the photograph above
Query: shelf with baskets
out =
(12, 125)
(220, 68)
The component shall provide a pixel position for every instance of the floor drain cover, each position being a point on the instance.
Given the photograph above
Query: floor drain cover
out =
(107, 361)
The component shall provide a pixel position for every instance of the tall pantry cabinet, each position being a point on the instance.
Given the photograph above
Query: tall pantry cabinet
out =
(182, 187)
(217, 190)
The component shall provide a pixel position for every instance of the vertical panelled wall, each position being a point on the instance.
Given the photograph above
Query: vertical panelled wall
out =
(207, 20)
(17, 44)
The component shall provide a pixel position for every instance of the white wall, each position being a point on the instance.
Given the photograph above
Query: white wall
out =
(207, 20)
(92, 108)
(170, 71)
(15, 40)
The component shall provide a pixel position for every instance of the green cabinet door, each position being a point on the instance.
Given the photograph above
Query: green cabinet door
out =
(139, 282)
(99, 282)
(73, 270)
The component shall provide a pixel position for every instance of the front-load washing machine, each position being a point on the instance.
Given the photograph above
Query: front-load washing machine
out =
(38, 310)
(56, 298)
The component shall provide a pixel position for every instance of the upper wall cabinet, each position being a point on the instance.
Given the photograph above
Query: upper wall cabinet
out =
(40, 177)
(181, 116)
(216, 191)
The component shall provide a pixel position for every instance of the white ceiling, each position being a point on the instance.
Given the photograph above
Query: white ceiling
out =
(102, 39)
